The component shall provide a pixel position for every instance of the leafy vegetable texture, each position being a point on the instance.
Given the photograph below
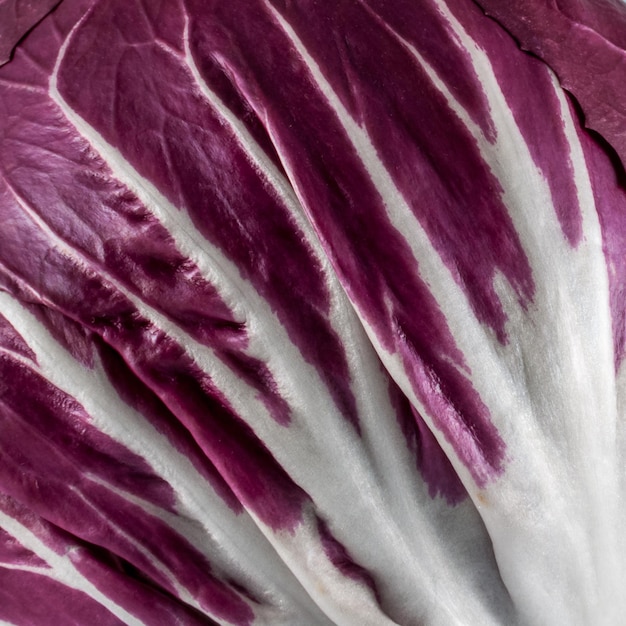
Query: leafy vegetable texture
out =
(312, 313)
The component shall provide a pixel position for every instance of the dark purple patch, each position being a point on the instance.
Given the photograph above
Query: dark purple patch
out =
(606, 17)
(570, 36)
(47, 476)
(370, 256)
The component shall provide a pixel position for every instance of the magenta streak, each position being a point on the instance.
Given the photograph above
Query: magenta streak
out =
(341, 559)
(371, 257)
(172, 136)
(42, 479)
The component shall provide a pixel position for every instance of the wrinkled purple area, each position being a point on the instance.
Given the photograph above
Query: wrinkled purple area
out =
(589, 63)
(136, 394)
(17, 17)
(53, 476)
(58, 177)
(190, 567)
(34, 58)
(606, 17)
(52, 537)
(172, 136)
(11, 340)
(83, 295)
(371, 257)
(527, 86)
(63, 445)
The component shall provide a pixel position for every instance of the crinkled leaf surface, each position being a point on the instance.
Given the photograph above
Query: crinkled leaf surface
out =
(310, 313)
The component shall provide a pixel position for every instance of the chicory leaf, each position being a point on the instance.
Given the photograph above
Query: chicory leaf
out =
(279, 292)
